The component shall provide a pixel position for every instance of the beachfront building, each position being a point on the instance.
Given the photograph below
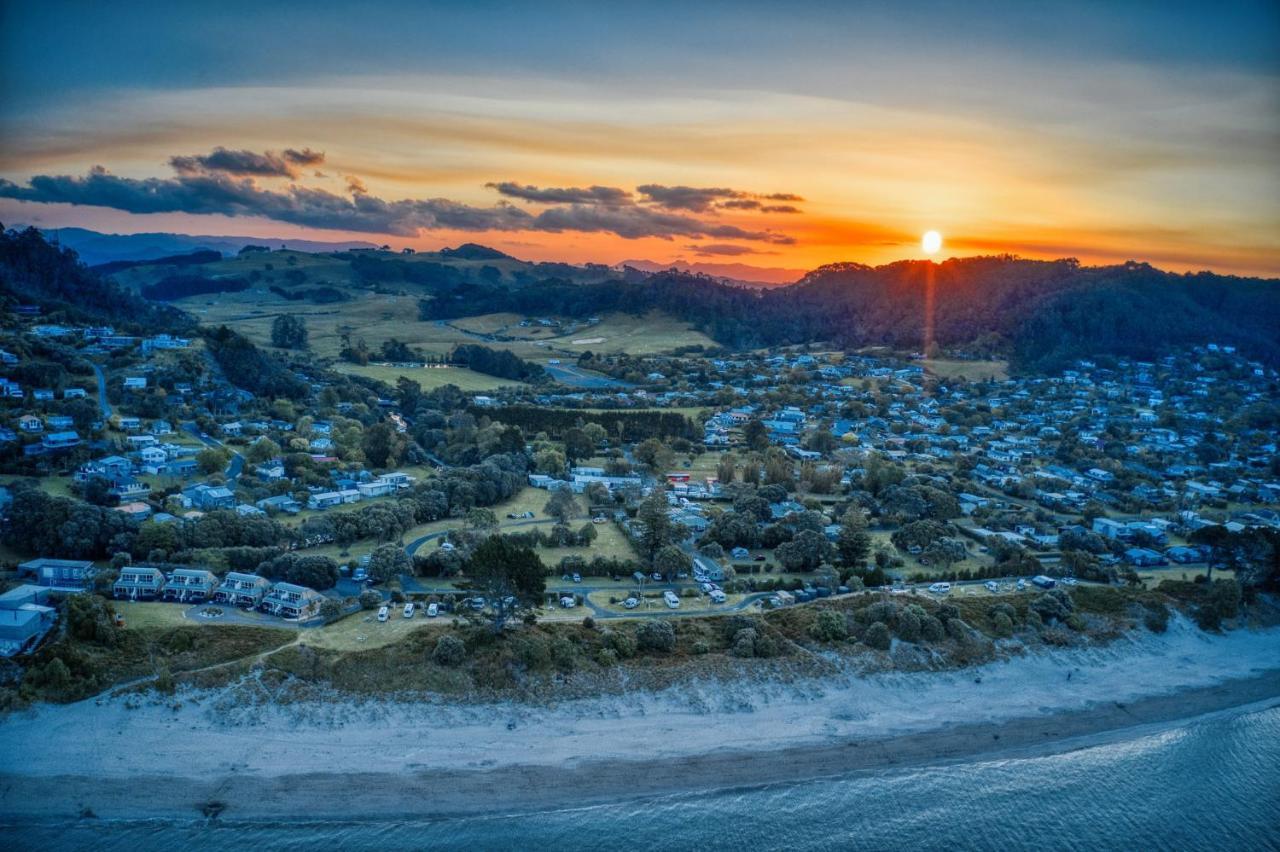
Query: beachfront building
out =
(63, 574)
(288, 600)
(137, 582)
(240, 589)
(190, 585)
(25, 619)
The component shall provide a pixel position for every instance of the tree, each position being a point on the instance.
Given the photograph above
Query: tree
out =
(511, 577)
(383, 445)
(577, 445)
(853, 542)
(656, 455)
(212, 460)
(755, 435)
(262, 450)
(670, 560)
(805, 552)
(481, 520)
(726, 468)
(945, 552)
(289, 332)
(657, 528)
(562, 505)
(449, 651)
(387, 562)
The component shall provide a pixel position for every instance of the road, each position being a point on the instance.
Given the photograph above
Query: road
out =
(103, 405)
(567, 374)
(235, 467)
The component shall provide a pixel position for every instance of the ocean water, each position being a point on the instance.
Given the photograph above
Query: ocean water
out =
(1212, 784)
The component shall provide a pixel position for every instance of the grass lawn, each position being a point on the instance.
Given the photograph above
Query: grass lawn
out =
(970, 370)
(610, 543)
(362, 630)
(429, 377)
(151, 614)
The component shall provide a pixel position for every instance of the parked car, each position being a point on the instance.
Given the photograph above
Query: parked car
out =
(940, 588)
(433, 610)
(992, 586)
(599, 519)
(631, 603)
(759, 557)
(577, 578)
(568, 601)
(1070, 581)
(408, 610)
(718, 597)
(1044, 582)
(1022, 585)
(384, 613)
(656, 577)
(477, 603)
(673, 602)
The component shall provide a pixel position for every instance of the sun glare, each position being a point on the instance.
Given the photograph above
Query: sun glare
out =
(931, 242)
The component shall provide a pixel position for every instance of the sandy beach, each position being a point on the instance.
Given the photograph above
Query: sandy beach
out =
(122, 759)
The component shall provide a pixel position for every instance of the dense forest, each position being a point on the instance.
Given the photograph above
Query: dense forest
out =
(495, 362)
(630, 425)
(1042, 313)
(194, 258)
(179, 286)
(36, 272)
(248, 367)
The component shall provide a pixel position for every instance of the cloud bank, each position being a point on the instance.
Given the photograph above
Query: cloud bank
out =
(226, 182)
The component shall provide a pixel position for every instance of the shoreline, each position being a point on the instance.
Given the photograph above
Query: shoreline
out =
(516, 787)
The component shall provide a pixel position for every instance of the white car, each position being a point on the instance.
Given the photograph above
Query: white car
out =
(1022, 585)
(568, 602)
(408, 610)
(1070, 581)
(433, 610)
(940, 588)
(673, 602)
(718, 597)
(631, 603)
(992, 586)
(384, 613)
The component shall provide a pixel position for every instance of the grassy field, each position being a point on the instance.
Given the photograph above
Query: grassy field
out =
(970, 370)
(362, 630)
(429, 377)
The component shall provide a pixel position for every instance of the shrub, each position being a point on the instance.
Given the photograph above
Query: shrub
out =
(931, 629)
(885, 612)
(1157, 618)
(449, 651)
(607, 657)
(909, 626)
(589, 623)
(1053, 605)
(369, 599)
(702, 646)
(621, 644)
(1002, 624)
(766, 646)
(744, 643)
(829, 627)
(1076, 622)
(877, 636)
(656, 635)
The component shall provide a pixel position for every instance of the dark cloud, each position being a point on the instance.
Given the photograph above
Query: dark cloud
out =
(563, 195)
(205, 193)
(634, 222)
(693, 198)
(286, 163)
(703, 199)
(215, 192)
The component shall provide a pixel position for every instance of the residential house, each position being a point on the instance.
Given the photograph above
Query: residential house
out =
(239, 589)
(138, 582)
(69, 574)
(30, 423)
(280, 503)
(190, 585)
(60, 441)
(291, 601)
(25, 619)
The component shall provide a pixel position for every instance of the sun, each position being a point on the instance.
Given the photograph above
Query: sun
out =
(931, 242)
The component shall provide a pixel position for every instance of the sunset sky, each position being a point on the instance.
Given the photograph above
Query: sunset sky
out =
(778, 135)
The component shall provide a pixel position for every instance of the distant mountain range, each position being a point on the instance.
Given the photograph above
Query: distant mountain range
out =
(95, 248)
(743, 273)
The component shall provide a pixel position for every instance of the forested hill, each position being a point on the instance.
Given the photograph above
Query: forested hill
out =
(1042, 313)
(35, 272)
